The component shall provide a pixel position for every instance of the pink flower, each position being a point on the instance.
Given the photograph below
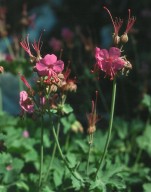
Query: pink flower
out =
(56, 44)
(25, 134)
(109, 61)
(49, 66)
(9, 167)
(67, 34)
(26, 102)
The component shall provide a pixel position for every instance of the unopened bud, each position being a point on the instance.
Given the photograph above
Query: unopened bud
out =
(69, 86)
(116, 39)
(53, 88)
(47, 89)
(124, 38)
(91, 129)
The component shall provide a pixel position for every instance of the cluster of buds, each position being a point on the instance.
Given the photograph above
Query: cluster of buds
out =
(52, 82)
(117, 23)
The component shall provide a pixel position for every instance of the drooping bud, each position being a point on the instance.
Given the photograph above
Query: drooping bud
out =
(116, 39)
(124, 38)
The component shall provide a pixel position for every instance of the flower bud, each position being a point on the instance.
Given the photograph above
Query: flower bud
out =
(69, 86)
(91, 129)
(53, 88)
(124, 38)
(116, 39)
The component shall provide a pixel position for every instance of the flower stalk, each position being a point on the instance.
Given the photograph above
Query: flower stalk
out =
(62, 155)
(41, 154)
(88, 160)
(53, 154)
(110, 128)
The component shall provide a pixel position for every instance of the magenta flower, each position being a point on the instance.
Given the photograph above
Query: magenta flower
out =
(49, 66)
(67, 34)
(56, 44)
(26, 102)
(25, 134)
(109, 61)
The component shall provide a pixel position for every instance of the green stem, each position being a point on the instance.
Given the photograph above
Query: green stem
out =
(41, 154)
(61, 154)
(1, 97)
(67, 141)
(88, 160)
(110, 128)
(53, 154)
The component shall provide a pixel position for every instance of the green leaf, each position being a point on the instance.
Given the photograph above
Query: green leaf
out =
(82, 145)
(147, 187)
(76, 184)
(67, 109)
(47, 142)
(71, 158)
(57, 177)
(17, 164)
(144, 141)
(47, 189)
(22, 185)
(67, 122)
(58, 172)
(146, 101)
(98, 184)
(31, 156)
(3, 188)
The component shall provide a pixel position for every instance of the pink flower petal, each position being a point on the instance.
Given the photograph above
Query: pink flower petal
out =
(49, 59)
(23, 96)
(41, 69)
(25, 102)
(58, 66)
(118, 64)
(103, 54)
(114, 52)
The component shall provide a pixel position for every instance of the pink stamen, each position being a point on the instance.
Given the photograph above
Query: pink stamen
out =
(37, 46)
(25, 45)
(116, 24)
(131, 21)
